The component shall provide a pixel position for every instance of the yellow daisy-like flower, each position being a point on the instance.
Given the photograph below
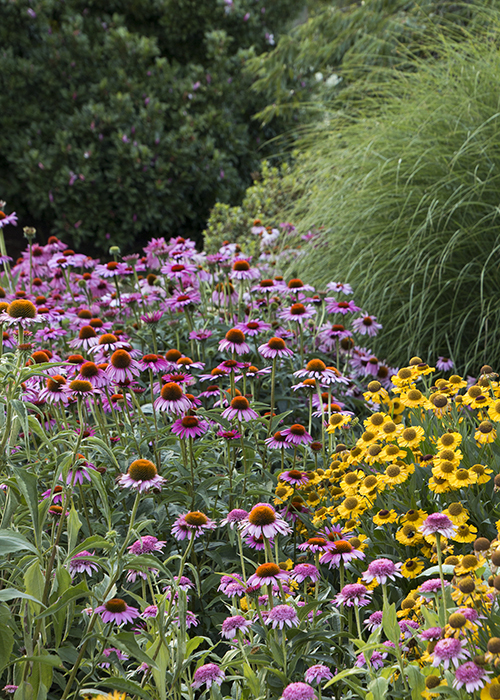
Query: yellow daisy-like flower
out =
(491, 691)
(494, 412)
(395, 474)
(423, 369)
(465, 533)
(462, 478)
(115, 695)
(320, 516)
(371, 485)
(430, 685)
(411, 437)
(372, 455)
(414, 398)
(367, 439)
(412, 567)
(391, 453)
(468, 564)
(376, 393)
(414, 516)
(337, 420)
(449, 441)
(352, 507)
(394, 408)
(286, 565)
(485, 433)
(282, 493)
(375, 422)
(409, 535)
(456, 383)
(351, 481)
(355, 456)
(385, 516)
(443, 470)
(477, 397)
(448, 455)
(439, 404)
(439, 485)
(390, 431)
(244, 604)
(457, 513)
(404, 378)
(483, 473)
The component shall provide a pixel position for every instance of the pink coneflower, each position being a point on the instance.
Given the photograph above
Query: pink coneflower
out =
(382, 570)
(257, 543)
(240, 409)
(108, 342)
(340, 307)
(113, 269)
(122, 368)
(192, 524)
(179, 270)
(432, 634)
(267, 574)
(366, 325)
(150, 611)
(470, 675)
(277, 441)
(235, 342)
(234, 624)
(339, 287)
(302, 572)
(55, 390)
(317, 673)
(296, 435)
(374, 621)
(6, 219)
(224, 293)
(449, 650)
(298, 313)
(232, 585)
(296, 286)
(20, 312)
(275, 347)
(282, 616)
(141, 476)
(315, 544)
(134, 574)
(180, 300)
(153, 362)
(228, 434)
(263, 520)
(82, 388)
(340, 551)
(189, 427)
(298, 691)
(253, 327)
(444, 364)
(294, 477)
(241, 270)
(80, 564)
(201, 335)
(116, 610)
(146, 545)
(438, 524)
(376, 660)
(89, 371)
(432, 585)
(234, 517)
(172, 399)
(152, 318)
(208, 674)
(269, 286)
(87, 338)
(316, 369)
(353, 594)
(120, 655)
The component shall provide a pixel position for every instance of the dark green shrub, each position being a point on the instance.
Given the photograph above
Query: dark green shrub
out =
(120, 119)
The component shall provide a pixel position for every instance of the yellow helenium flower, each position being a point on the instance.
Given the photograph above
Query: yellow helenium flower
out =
(414, 398)
(337, 420)
(352, 507)
(414, 516)
(438, 485)
(456, 383)
(412, 567)
(395, 474)
(444, 470)
(448, 455)
(366, 439)
(465, 533)
(373, 454)
(485, 433)
(391, 453)
(409, 535)
(390, 431)
(411, 437)
(449, 441)
(462, 478)
(376, 393)
(468, 564)
(385, 516)
(494, 412)
(491, 691)
(371, 485)
(376, 421)
(283, 492)
(395, 408)
(483, 473)
(404, 378)
(115, 695)
(477, 397)
(457, 513)
(351, 481)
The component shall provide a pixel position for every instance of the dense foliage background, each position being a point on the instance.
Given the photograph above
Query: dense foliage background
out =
(120, 119)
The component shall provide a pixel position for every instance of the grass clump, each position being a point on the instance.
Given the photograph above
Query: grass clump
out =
(408, 192)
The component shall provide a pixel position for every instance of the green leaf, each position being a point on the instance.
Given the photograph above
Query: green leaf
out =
(97, 482)
(48, 659)
(12, 594)
(34, 582)
(28, 485)
(252, 680)
(94, 541)
(74, 525)
(127, 639)
(12, 541)
(73, 593)
(417, 681)
(344, 674)
(6, 644)
(390, 623)
(377, 689)
(125, 686)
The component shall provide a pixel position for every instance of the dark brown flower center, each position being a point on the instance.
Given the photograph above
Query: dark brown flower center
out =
(86, 332)
(89, 369)
(240, 403)
(190, 422)
(142, 470)
(241, 266)
(171, 392)
(56, 383)
(276, 344)
(297, 429)
(121, 359)
(267, 570)
(107, 339)
(196, 518)
(297, 309)
(21, 308)
(315, 366)
(235, 336)
(81, 386)
(262, 515)
(115, 605)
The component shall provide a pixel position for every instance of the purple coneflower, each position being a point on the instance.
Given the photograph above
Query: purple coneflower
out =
(316, 369)
(80, 564)
(298, 691)
(340, 551)
(277, 441)
(234, 517)
(296, 435)
(87, 338)
(317, 673)
(298, 313)
(232, 585)
(122, 368)
(180, 300)
(353, 594)
(257, 543)
(444, 364)
(120, 655)
(302, 572)
(141, 476)
(315, 544)
(374, 621)
(340, 307)
(189, 427)
(438, 524)
(192, 524)
(240, 409)
(253, 327)
(172, 399)
(146, 545)
(433, 585)
(294, 477)
(382, 570)
(242, 271)
(90, 372)
(267, 574)
(432, 634)
(282, 616)
(156, 363)
(232, 625)
(150, 611)
(449, 650)
(470, 675)
(263, 520)
(275, 347)
(208, 674)
(116, 610)
(366, 325)
(235, 342)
